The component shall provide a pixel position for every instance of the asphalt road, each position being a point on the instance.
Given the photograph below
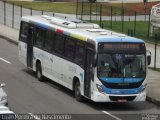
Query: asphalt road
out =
(27, 95)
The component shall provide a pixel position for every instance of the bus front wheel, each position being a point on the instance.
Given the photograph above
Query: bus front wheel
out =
(78, 95)
(39, 72)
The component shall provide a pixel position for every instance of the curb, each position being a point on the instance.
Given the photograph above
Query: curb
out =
(152, 100)
(9, 39)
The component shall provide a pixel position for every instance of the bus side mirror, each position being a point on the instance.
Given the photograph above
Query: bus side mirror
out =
(148, 60)
(148, 57)
(3, 85)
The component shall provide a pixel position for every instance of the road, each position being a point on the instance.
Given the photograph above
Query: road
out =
(27, 95)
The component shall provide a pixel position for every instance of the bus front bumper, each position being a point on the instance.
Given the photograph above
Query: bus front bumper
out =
(103, 97)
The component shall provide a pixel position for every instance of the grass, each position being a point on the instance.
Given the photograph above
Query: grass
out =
(141, 28)
(70, 8)
(157, 69)
(47, 6)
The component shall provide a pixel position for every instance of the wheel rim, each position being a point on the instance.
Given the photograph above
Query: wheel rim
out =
(78, 93)
(38, 74)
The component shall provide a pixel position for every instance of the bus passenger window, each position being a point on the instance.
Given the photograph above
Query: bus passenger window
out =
(24, 31)
(80, 54)
(59, 44)
(48, 44)
(69, 48)
(40, 36)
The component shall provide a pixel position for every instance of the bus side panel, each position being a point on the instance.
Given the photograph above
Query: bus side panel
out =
(37, 55)
(57, 68)
(71, 70)
(52, 67)
(23, 52)
(47, 63)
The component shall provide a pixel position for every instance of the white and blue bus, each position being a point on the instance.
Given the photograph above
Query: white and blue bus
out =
(95, 63)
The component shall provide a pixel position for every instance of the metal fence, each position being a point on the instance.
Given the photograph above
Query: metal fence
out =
(106, 17)
(11, 14)
(117, 19)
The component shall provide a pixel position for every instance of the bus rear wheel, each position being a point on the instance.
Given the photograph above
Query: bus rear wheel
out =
(39, 72)
(77, 91)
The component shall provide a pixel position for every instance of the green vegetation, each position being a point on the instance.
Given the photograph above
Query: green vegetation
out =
(140, 32)
(47, 6)
(157, 69)
(70, 8)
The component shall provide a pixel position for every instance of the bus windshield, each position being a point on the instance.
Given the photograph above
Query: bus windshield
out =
(121, 65)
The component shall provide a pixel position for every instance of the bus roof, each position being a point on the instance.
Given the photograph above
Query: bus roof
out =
(79, 29)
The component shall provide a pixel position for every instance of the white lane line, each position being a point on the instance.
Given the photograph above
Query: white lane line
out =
(115, 117)
(5, 60)
(34, 116)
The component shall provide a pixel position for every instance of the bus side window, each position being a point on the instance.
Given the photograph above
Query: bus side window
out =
(48, 45)
(59, 44)
(69, 48)
(80, 53)
(39, 37)
(24, 31)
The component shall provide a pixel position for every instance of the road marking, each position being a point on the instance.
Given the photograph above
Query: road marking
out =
(5, 60)
(34, 116)
(115, 117)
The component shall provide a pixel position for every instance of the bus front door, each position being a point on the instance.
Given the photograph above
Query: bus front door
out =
(88, 72)
(30, 48)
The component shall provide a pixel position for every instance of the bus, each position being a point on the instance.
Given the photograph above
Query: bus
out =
(98, 64)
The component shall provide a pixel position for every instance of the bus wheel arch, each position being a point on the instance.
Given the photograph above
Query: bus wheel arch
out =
(77, 90)
(39, 71)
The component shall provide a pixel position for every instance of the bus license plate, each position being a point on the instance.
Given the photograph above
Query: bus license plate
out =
(122, 100)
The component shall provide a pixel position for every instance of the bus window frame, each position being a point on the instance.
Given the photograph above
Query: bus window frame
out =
(61, 53)
(20, 37)
(52, 41)
(67, 49)
(40, 44)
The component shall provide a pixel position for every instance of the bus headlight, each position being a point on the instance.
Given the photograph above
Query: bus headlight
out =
(3, 98)
(143, 88)
(99, 88)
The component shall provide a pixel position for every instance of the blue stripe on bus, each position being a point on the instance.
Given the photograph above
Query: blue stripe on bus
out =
(121, 80)
(133, 80)
(119, 39)
(42, 25)
(66, 33)
(112, 80)
(122, 91)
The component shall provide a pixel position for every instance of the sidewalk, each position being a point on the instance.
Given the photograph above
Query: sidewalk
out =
(9, 34)
(153, 93)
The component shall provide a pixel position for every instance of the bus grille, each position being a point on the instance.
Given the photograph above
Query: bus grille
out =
(127, 98)
(122, 86)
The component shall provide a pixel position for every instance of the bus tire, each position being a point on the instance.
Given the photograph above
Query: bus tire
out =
(77, 91)
(39, 72)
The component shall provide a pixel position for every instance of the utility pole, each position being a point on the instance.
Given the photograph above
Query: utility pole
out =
(145, 7)
(122, 4)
